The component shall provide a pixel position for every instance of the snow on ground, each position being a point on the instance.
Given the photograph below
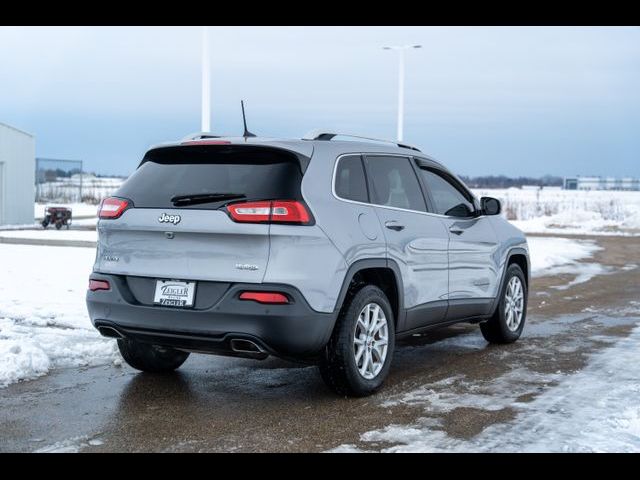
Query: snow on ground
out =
(570, 211)
(579, 223)
(52, 234)
(29, 226)
(552, 256)
(72, 445)
(549, 252)
(43, 318)
(596, 409)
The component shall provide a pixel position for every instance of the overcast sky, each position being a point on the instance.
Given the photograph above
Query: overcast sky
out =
(514, 101)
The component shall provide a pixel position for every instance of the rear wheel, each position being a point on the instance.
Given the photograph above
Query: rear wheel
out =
(151, 358)
(357, 358)
(508, 321)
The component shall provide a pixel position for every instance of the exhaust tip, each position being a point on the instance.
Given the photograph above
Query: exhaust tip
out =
(109, 332)
(240, 345)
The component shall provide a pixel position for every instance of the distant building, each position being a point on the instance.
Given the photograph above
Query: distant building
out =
(601, 183)
(17, 176)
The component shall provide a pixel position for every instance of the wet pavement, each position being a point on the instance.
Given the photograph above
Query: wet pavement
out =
(224, 404)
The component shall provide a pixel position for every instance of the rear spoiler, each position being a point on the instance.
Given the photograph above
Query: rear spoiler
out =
(208, 146)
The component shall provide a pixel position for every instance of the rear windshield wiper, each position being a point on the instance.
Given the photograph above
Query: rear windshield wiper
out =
(199, 198)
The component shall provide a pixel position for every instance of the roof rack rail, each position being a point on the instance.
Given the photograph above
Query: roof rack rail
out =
(199, 136)
(320, 134)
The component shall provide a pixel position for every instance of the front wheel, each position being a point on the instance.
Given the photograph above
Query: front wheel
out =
(506, 324)
(151, 358)
(358, 355)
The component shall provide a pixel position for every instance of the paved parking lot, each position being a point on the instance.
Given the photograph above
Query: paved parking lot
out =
(436, 382)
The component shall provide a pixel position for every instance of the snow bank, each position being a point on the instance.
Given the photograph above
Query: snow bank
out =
(43, 318)
(570, 211)
(20, 360)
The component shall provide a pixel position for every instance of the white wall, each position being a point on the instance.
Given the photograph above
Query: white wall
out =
(17, 191)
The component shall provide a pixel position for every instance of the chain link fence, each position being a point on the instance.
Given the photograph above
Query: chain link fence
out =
(64, 181)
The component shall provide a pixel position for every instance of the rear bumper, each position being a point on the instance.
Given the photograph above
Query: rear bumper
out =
(293, 331)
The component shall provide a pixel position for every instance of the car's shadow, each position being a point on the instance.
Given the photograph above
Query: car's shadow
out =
(206, 378)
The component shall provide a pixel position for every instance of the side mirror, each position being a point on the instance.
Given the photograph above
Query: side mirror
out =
(490, 206)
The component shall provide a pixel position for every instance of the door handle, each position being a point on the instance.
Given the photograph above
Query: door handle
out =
(456, 231)
(393, 225)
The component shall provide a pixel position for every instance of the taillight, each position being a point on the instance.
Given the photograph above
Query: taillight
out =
(95, 285)
(276, 211)
(113, 207)
(265, 297)
(250, 211)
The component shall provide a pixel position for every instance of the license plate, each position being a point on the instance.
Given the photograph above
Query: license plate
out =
(174, 293)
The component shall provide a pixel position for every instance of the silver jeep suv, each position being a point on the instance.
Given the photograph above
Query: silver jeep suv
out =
(316, 250)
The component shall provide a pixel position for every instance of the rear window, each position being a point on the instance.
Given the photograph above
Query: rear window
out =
(395, 183)
(254, 173)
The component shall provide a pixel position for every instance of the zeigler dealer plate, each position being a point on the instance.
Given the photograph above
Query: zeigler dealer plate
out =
(174, 293)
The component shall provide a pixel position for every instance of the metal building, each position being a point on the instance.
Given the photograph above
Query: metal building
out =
(17, 176)
(601, 183)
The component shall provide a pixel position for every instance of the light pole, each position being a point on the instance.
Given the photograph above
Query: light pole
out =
(205, 125)
(401, 49)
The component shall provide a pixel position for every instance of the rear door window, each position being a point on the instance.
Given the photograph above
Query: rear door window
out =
(395, 183)
(213, 176)
(351, 183)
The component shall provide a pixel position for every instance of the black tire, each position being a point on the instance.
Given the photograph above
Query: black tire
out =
(151, 358)
(495, 330)
(338, 366)
(58, 225)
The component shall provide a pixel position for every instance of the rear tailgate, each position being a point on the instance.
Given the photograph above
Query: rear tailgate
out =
(205, 245)
(196, 240)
